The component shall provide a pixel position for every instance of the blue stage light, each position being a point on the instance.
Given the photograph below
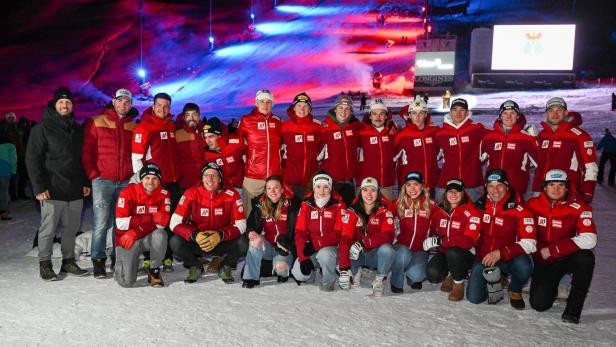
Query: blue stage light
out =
(211, 39)
(141, 73)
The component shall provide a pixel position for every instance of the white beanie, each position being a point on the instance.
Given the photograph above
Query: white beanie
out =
(265, 94)
(322, 177)
(369, 182)
(378, 104)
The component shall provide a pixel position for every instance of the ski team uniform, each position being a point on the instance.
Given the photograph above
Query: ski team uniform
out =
(416, 150)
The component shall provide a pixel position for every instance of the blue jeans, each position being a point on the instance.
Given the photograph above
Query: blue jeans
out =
(410, 264)
(252, 269)
(104, 196)
(520, 268)
(380, 259)
(327, 259)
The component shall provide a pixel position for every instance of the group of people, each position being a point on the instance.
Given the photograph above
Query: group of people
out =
(316, 201)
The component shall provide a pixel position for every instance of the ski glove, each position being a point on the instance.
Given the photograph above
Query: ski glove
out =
(495, 289)
(345, 279)
(306, 266)
(128, 239)
(283, 245)
(356, 249)
(309, 249)
(431, 242)
(207, 240)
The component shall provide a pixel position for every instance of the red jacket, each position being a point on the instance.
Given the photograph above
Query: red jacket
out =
(154, 142)
(263, 135)
(143, 213)
(506, 226)
(376, 155)
(339, 153)
(189, 149)
(200, 210)
(322, 226)
(230, 158)
(301, 139)
(571, 149)
(414, 228)
(416, 150)
(515, 152)
(107, 146)
(459, 146)
(380, 230)
(460, 228)
(564, 227)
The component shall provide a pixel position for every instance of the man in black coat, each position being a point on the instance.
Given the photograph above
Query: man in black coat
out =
(53, 159)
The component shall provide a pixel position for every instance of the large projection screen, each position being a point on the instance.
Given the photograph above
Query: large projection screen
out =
(533, 47)
(434, 63)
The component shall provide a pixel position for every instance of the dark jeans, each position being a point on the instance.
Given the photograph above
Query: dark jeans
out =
(189, 251)
(346, 189)
(520, 269)
(605, 157)
(175, 193)
(544, 284)
(455, 260)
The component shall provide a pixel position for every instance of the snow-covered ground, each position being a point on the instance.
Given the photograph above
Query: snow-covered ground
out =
(86, 311)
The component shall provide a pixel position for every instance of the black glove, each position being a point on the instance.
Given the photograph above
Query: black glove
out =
(306, 266)
(309, 249)
(283, 245)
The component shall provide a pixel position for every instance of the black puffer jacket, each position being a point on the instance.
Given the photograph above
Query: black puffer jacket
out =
(53, 157)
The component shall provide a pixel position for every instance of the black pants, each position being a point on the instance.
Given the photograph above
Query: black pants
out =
(455, 260)
(346, 189)
(605, 157)
(546, 277)
(189, 251)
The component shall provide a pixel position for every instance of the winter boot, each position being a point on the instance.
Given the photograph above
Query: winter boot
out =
(516, 301)
(356, 279)
(145, 267)
(570, 318)
(5, 216)
(225, 274)
(447, 284)
(154, 278)
(327, 287)
(282, 279)
(46, 269)
(414, 285)
(396, 290)
(167, 265)
(70, 267)
(377, 285)
(194, 273)
(250, 284)
(214, 266)
(457, 291)
(98, 268)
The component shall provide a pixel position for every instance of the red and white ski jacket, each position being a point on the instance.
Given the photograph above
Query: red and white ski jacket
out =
(107, 146)
(458, 146)
(154, 142)
(507, 226)
(514, 151)
(189, 150)
(321, 225)
(143, 213)
(564, 227)
(230, 158)
(200, 210)
(571, 149)
(339, 148)
(460, 228)
(375, 151)
(416, 150)
(301, 139)
(414, 227)
(263, 135)
(378, 231)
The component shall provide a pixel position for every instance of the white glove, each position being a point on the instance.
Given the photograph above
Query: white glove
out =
(134, 178)
(431, 242)
(355, 250)
(345, 279)
(531, 130)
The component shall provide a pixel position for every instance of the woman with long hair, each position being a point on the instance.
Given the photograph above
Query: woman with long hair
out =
(413, 211)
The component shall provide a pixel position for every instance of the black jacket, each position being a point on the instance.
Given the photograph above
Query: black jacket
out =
(53, 157)
(255, 220)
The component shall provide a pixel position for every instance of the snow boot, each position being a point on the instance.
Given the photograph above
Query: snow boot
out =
(250, 284)
(46, 270)
(356, 279)
(516, 300)
(214, 266)
(282, 279)
(154, 278)
(457, 291)
(225, 274)
(194, 273)
(70, 267)
(396, 290)
(447, 284)
(414, 285)
(167, 265)
(145, 267)
(570, 318)
(377, 285)
(98, 268)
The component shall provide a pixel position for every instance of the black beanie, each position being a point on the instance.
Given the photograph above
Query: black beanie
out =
(212, 126)
(150, 169)
(62, 93)
(212, 165)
